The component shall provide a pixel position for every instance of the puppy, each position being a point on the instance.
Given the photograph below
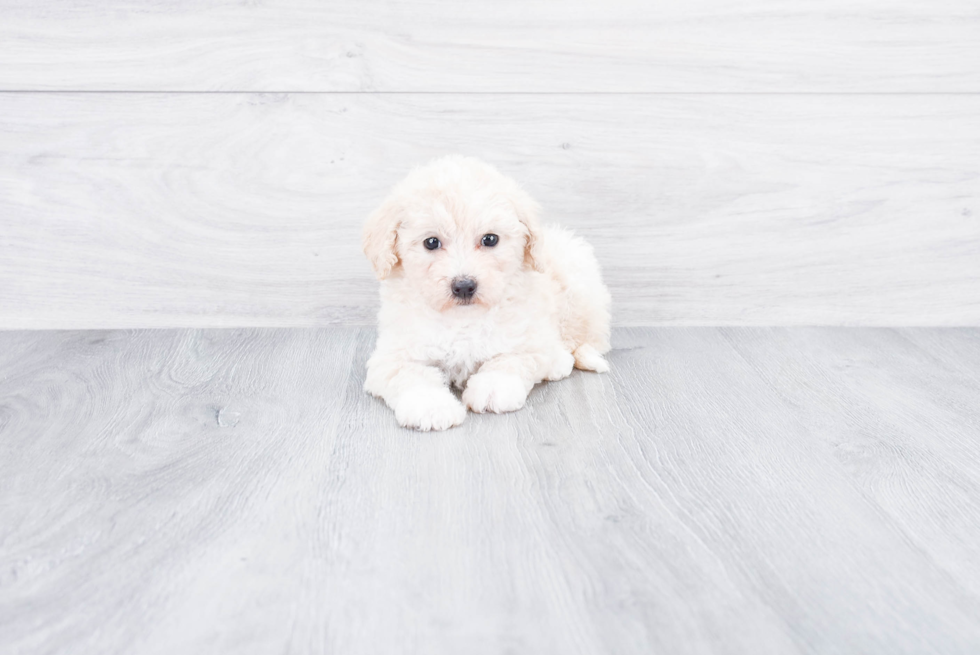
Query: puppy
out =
(477, 295)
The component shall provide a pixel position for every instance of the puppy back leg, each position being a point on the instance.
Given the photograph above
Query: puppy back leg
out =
(588, 358)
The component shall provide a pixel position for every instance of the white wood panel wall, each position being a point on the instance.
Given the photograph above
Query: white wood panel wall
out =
(774, 163)
(530, 46)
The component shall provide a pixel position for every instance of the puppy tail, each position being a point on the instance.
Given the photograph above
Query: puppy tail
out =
(587, 358)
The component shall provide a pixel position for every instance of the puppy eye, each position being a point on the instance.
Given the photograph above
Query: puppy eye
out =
(490, 240)
(431, 243)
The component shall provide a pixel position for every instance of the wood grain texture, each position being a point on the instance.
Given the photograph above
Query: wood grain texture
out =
(553, 45)
(720, 491)
(225, 210)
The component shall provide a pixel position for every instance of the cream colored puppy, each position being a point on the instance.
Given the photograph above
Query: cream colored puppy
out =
(475, 294)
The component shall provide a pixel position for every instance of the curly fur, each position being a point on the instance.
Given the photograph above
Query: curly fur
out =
(540, 306)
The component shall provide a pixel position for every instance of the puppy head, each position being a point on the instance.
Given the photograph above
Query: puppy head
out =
(457, 231)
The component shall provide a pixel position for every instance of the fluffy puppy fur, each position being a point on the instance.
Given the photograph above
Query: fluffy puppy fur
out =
(539, 306)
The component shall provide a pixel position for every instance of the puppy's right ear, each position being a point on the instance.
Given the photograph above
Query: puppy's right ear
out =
(380, 235)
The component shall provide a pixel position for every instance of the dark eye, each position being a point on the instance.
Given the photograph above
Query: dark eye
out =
(431, 243)
(490, 240)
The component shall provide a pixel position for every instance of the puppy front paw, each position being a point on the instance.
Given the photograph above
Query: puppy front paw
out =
(495, 391)
(429, 409)
(561, 366)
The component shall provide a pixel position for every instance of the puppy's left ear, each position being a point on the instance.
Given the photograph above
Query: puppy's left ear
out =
(380, 235)
(527, 213)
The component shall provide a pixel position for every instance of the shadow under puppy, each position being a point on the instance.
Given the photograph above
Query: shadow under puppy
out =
(475, 293)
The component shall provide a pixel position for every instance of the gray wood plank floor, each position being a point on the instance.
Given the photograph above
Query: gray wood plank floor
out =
(736, 490)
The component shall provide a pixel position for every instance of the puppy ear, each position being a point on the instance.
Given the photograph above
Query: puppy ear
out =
(527, 213)
(380, 234)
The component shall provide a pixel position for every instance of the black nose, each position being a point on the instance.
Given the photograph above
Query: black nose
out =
(464, 288)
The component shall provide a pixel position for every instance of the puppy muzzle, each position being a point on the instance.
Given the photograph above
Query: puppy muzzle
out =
(463, 288)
